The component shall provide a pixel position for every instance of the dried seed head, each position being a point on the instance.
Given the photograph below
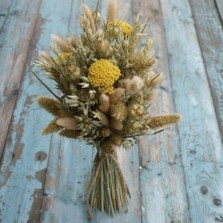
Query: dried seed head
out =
(119, 111)
(67, 123)
(103, 47)
(134, 85)
(99, 33)
(51, 105)
(115, 124)
(61, 44)
(104, 103)
(44, 55)
(102, 117)
(74, 72)
(89, 15)
(137, 111)
(117, 94)
(72, 41)
(51, 127)
(105, 132)
(96, 16)
(160, 121)
(112, 10)
(69, 133)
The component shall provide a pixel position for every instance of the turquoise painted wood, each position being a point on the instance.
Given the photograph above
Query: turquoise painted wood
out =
(4, 13)
(162, 180)
(25, 159)
(209, 31)
(173, 177)
(219, 5)
(16, 34)
(199, 134)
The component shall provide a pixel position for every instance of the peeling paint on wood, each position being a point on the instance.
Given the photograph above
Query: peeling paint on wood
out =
(198, 130)
(162, 181)
(174, 177)
(15, 50)
(210, 34)
(36, 208)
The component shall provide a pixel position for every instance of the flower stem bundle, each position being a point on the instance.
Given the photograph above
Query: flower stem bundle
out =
(107, 188)
(106, 84)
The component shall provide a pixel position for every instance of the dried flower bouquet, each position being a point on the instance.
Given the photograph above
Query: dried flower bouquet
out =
(107, 84)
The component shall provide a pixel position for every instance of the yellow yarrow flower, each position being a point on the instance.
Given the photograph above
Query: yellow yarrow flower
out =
(125, 27)
(103, 73)
(64, 56)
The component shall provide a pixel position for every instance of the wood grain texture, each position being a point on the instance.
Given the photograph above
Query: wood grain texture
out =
(20, 27)
(25, 158)
(173, 177)
(4, 14)
(199, 134)
(162, 182)
(210, 34)
(70, 166)
(219, 6)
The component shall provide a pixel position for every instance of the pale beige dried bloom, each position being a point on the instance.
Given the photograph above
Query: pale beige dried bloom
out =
(134, 85)
(60, 43)
(115, 124)
(89, 15)
(46, 56)
(67, 122)
(112, 10)
(104, 103)
(119, 111)
(137, 110)
(72, 41)
(103, 47)
(74, 72)
(99, 33)
(117, 94)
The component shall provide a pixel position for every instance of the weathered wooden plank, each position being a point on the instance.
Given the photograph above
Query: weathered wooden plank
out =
(162, 178)
(199, 134)
(4, 14)
(219, 5)
(70, 165)
(13, 54)
(25, 158)
(210, 34)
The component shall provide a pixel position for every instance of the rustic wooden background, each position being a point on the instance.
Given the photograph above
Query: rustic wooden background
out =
(174, 177)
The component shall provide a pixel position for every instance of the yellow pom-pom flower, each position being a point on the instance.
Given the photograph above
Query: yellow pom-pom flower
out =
(125, 27)
(103, 73)
(64, 56)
